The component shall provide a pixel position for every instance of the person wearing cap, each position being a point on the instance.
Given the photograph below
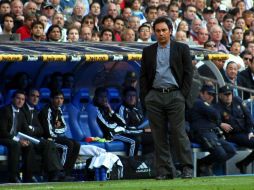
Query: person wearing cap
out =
(208, 12)
(48, 10)
(165, 83)
(221, 12)
(205, 129)
(239, 123)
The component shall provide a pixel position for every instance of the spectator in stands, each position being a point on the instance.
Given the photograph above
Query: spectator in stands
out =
(240, 22)
(119, 26)
(77, 14)
(183, 26)
(95, 36)
(162, 10)
(58, 19)
(113, 10)
(241, 5)
(95, 11)
(25, 30)
(237, 35)
(189, 13)
(250, 47)
(5, 8)
(51, 118)
(37, 32)
(151, 14)
(248, 36)
(181, 36)
(126, 13)
(73, 34)
(51, 164)
(210, 23)
(107, 35)
(134, 23)
(202, 36)
(245, 78)
(30, 7)
(44, 20)
(17, 12)
(89, 21)
(85, 33)
(136, 10)
(54, 33)
(48, 10)
(220, 13)
(144, 33)
(39, 4)
(107, 22)
(57, 6)
(134, 119)
(11, 122)
(205, 129)
(8, 24)
(207, 13)
(247, 58)
(227, 26)
(194, 28)
(173, 13)
(216, 36)
(239, 128)
(128, 35)
(231, 74)
(248, 16)
(111, 124)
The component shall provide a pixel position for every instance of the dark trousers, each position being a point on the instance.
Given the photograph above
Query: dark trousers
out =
(15, 150)
(242, 139)
(220, 150)
(72, 152)
(164, 108)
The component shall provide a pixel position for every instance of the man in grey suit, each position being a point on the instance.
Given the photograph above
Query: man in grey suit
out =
(165, 82)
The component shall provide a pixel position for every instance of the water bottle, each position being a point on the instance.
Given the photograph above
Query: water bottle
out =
(103, 174)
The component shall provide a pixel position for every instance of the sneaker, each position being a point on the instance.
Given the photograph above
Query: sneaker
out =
(187, 173)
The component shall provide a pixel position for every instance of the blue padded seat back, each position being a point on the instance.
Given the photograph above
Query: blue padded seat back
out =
(83, 123)
(81, 98)
(76, 129)
(114, 97)
(68, 125)
(44, 97)
(92, 122)
(8, 96)
(67, 97)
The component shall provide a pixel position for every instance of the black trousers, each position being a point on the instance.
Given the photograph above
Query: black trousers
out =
(15, 150)
(164, 108)
(72, 152)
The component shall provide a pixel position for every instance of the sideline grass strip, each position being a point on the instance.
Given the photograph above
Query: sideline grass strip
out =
(211, 183)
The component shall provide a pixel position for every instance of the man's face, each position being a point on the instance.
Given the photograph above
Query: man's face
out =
(207, 97)
(57, 101)
(119, 25)
(237, 35)
(96, 9)
(129, 35)
(34, 98)
(226, 98)
(190, 13)
(59, 20)
(127, 13)
(228, 24)
(232, 70)
(173, 12)
(17, 8)
(37, 30)
(107, 37)
(144, 33)
(8, 23)
(102, 99)
(5, 8)
(162, 33)
(86, 34)
(134, 23)
(152, 15)
(131, 98)
(19, 100)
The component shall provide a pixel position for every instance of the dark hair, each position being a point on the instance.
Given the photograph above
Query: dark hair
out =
(98, 91)
(228, 16)
(150, 8)
(86, 17)
(107, 17)
(8, 15)
(37, 23)
(229, 63)
(5, 2)
(51, 28)
(128, 89)
(18, 92)
(30, 90)
(163, 20)
(107, 30)
(55, 93)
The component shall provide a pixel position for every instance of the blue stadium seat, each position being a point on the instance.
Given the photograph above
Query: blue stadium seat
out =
(8, 96)
(114, 97)
(81, 98)
(67, 98)
(1, 100)
(68, 132)
(44, 97)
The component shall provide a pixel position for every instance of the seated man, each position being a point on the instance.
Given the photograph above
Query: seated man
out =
(239, 128)
(51, 163)
(11, 122)
(134, 119)
(52, 120)
(111, 124)
(205, 128)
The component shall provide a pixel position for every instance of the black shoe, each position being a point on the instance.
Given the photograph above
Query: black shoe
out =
(14, 180)
(205, 170)
(164, 177)
(242, 167)
(68, 178)
(187, 173)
